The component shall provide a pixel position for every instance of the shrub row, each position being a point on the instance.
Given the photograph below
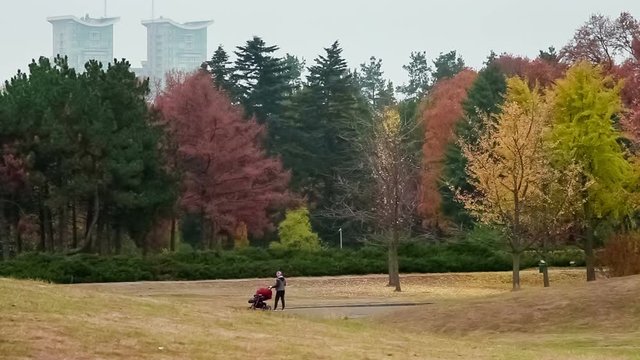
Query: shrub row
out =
(259, 262)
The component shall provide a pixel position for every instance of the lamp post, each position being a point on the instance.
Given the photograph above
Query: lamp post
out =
(340, 231)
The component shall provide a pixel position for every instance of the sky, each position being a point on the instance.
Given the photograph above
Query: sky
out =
(387, 29)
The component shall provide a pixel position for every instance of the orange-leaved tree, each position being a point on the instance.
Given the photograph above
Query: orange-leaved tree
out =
(442, 109)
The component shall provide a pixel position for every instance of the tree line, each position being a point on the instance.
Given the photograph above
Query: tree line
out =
(90, 161)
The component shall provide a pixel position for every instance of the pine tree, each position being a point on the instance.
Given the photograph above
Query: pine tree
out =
(221, 71)
(419, 73)
(91, 148)
(446, 66)
(263, 82)
(378, 92)
(323, 117)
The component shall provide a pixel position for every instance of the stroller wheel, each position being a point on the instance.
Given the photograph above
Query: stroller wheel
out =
(268, 307)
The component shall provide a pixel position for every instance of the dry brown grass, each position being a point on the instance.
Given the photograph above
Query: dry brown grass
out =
(607, 306)
(209, 320)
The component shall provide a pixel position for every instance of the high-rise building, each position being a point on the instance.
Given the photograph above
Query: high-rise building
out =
(173, 46)
(83, 39)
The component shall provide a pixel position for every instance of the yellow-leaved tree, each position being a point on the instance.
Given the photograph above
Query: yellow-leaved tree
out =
(515, 185)
(583, 136)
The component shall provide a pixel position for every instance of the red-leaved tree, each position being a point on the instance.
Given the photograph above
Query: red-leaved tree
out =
(537, 72)
(441, 111)
(227, 177)
(629, 71)
(601, 40)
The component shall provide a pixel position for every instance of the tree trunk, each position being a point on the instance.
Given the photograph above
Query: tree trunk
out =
(216, 237)
(394, 268)
(94, 220)
(42, 246)
(515, 277)
(118, 240)
(18, 238)
(589, 256)
(204, 238)
(100, 243)
(172, 242)
(51, 245)
(62, 228)
(4, 236)
(545, 276)
(88, 218)
(74, 228)
(11, 233)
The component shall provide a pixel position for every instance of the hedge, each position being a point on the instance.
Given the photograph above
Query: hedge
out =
(260, 263)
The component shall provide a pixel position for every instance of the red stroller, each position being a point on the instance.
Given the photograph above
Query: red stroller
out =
(259, 298)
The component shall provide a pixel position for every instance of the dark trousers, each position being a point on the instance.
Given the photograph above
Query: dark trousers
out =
(279, 296)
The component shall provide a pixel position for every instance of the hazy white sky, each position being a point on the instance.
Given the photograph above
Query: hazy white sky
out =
(388, 29)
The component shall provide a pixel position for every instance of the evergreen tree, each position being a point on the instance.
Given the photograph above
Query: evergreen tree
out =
(91, 148)
(220, 69)
(322, 119)
(446, 66)
(263, 82)
(294, 70)
(419, 74)
(376, 90)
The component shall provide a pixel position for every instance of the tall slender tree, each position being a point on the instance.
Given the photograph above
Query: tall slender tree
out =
(378, 92)
(419, 73)
(323, 118)
(442, 110)
(393, 167)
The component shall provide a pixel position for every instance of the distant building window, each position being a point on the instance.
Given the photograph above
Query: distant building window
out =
(94, 36)
(188, 41)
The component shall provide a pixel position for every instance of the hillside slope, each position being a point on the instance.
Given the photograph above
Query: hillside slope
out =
(607, 305)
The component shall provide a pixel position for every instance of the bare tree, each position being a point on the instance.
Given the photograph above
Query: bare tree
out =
(386, 194)
(600, 40)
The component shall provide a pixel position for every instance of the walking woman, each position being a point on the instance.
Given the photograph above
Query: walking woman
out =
(280, 284)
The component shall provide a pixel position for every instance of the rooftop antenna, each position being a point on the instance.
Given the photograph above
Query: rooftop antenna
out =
(105, 8)
(153, 9)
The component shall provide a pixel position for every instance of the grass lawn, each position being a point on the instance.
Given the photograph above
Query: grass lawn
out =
(469, 316)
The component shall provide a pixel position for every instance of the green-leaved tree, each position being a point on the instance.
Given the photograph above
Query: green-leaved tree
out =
(585, 104)
(295, 232)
